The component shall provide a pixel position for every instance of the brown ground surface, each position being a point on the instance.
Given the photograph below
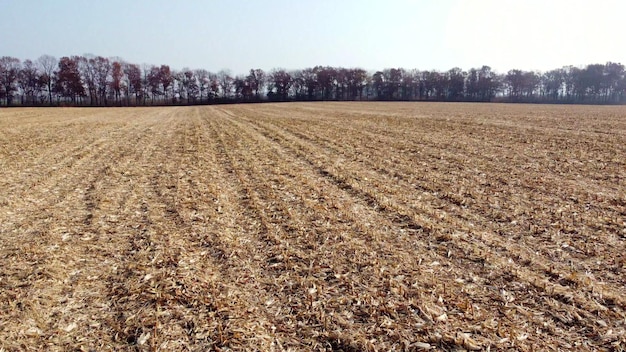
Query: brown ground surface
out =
(317, 226)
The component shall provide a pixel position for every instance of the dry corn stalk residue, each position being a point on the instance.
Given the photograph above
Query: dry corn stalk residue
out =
(313, 227)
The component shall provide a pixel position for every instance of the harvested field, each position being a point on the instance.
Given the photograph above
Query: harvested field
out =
(314, 226)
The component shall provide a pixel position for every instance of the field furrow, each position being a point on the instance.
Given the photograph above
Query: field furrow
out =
(491, 210)
(469, 249)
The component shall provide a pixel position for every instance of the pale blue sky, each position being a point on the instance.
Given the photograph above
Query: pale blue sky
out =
(239, 35)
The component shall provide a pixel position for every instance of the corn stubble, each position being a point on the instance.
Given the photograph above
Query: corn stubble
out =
(325, 227)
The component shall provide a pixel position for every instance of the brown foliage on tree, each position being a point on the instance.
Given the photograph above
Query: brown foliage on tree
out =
(68, 82)
(116, 80)
(102, 79)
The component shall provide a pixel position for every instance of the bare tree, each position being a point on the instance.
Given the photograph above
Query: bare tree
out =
(102, 67)
(309, 76)
(280, 81)
(187, 84)
(225, 82)
(47, 65)
(9, 71)
(153, 81)
(326, 78)
(298, 87)
(166, 78)
(114, 79)
(456, 83)
(256, 81)
(204, 82)
(30, 83)
(133, 76)
(214, 87)
(86, 66)
(356, 79)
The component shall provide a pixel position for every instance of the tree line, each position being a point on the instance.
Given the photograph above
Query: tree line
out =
(90, 80)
